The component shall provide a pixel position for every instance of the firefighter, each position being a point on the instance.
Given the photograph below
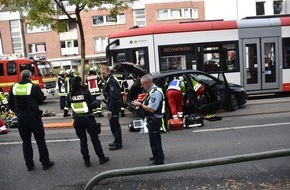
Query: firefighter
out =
(68, 86)
(197, 87)
(3, 102)
(82, 103)
(94, 83)
(174, 93)
(61, 89)
(124, 91)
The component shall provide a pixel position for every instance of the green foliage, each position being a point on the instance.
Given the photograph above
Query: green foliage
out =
(44, 12)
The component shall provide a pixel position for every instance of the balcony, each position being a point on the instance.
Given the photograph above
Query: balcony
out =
(70, 51)
(71, 35)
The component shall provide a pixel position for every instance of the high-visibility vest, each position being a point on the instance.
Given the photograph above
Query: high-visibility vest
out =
(196, 85)
(79, 105)
(3, 100)
(93, 83)
(22, 89)
(162, 110)
(176, 84)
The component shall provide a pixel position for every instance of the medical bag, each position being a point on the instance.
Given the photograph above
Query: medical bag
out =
(175, 124)
(193, 120)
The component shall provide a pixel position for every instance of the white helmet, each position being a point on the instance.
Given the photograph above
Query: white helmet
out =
(67, 71)
(61, 72)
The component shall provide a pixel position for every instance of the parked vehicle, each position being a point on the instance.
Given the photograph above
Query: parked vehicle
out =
(218, 92)
(41, 70)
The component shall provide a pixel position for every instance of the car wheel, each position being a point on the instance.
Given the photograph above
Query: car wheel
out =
(233, 103)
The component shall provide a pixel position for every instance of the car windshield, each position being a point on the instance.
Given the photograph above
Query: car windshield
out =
(44, 69)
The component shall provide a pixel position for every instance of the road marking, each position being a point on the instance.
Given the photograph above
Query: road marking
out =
(196, 131)
(241, 127)
(47, 141)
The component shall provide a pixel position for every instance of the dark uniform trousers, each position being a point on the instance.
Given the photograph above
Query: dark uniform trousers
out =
(115, 124)
(28, 124)
(154, 125)
(88, 123)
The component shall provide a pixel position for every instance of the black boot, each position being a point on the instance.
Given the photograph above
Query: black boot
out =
(123, 113)
(65, 113)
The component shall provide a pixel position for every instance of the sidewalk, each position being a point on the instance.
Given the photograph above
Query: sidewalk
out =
(252, 107)
(59, 121)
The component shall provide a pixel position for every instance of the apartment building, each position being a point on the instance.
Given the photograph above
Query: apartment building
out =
(63, 49)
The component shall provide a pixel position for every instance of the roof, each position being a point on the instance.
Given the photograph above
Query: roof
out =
(205, 26)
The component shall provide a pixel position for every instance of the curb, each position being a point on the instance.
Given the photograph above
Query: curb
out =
(69, 125)
(58, 125)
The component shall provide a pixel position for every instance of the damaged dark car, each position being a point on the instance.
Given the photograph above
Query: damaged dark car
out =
(218, 93)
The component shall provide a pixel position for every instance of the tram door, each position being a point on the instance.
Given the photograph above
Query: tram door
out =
(260, 59)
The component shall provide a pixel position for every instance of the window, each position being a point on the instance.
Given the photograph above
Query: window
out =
(100, 44)
(34, 29)
(177, 13)
(260, 8)
(71, 26)
(1, 69)
(277, 5)
(139, 17)
(162, 14)
(286, 52)
(11, 68)
(16, 35)
(177, 57)
(220, 57)
(108, 20)
(69, 44)
(37, 48)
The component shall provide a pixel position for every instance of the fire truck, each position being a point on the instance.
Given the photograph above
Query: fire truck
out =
(41, 70)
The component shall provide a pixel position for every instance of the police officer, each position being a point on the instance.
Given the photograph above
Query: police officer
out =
(112, 97)
(94, 84)
(24, 99)
(61, 89)
(82, 103)
(152, 109)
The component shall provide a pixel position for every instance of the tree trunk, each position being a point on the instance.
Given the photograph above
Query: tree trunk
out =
(82, 45)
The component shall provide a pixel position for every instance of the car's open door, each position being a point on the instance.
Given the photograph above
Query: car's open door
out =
(222, 88)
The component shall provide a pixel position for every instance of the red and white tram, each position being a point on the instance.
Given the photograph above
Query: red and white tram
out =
(253, 52)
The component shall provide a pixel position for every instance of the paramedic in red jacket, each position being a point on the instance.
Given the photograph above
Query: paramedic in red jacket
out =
(174, 94)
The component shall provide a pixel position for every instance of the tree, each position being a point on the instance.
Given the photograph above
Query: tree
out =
(44, 12)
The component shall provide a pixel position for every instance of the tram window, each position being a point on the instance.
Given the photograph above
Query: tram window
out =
(286, 52)
(220, 57)
(1, 69)
(177, 57)
(172, 62)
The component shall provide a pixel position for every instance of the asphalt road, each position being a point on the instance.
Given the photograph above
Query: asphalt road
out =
(262, 125)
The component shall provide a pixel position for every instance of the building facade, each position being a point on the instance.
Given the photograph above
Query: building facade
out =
(63, 49)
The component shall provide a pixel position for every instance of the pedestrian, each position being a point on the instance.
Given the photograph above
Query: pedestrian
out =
(61, 89)
(151, 109)
(112, 98)
(174, 93)
(82, 103)
(24, 99)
